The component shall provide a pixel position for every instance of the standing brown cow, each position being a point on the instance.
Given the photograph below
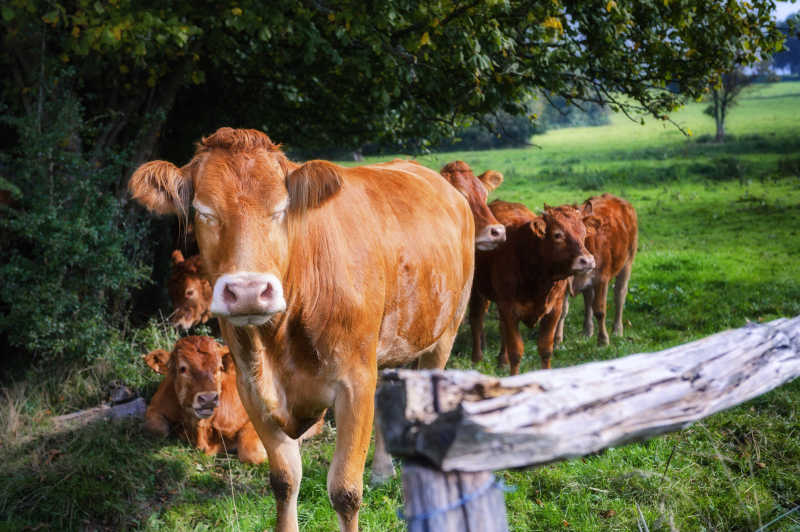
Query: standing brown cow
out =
(321, 274)
(189, 291)
(613, 245)
(527, 276)
(489, 233)
(198, 399)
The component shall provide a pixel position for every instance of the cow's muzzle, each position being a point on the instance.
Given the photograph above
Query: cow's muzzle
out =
(246, 298)
(205, 403)
(583, 263)
(490, 237)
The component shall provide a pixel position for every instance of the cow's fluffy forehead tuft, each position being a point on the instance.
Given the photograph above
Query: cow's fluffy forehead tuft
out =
(236, 140)
(201, 352)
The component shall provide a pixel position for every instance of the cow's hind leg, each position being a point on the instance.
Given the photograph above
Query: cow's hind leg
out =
(478, 305)
(353, 410)
(600, 294)
(620, 292)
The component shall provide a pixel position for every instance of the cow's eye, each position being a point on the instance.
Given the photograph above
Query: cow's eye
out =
(277, 216)
(220, 369)
(206, 218)
(558, 235)
(182, 369)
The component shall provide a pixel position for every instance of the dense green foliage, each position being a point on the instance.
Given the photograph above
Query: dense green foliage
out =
(347, 73)
(718, 246)
(68, 256)
(789, 57)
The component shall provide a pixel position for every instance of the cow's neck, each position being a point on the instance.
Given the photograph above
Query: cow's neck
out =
(277, 367)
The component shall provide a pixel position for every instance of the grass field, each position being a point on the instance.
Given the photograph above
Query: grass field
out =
(719, 246)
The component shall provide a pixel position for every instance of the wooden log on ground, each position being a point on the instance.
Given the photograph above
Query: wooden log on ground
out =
(134, 408)
(465, 421)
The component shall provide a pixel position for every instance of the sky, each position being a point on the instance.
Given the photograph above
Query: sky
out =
(782, 9)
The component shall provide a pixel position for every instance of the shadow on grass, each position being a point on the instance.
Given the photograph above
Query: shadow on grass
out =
(106, 477)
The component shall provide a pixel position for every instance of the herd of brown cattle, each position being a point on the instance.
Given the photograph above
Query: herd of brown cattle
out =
(321, 275)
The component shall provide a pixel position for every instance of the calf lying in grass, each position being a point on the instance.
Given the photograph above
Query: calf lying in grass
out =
(199, 401)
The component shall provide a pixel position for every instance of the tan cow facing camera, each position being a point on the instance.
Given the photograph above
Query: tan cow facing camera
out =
(320, 276)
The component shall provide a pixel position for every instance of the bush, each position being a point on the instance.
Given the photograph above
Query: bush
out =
(68, 255)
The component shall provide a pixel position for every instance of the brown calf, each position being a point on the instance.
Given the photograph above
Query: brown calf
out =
(527, 276)
(321, 274)
(199, 401)
(189, 291)
(613, 245)
(489, 233)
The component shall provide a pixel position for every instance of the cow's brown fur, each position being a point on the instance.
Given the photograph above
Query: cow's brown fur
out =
(527, 276)
(189, 291)
(613, 246)
(375, 263)
(489, 233)
(198, 364)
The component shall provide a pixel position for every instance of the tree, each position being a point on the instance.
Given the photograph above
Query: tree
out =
(344, 73)
(723, 97)
(789, 57)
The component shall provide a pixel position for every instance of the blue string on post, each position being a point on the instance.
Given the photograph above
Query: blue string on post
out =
(493, 483)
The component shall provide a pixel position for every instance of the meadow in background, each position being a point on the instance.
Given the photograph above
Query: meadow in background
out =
(719, 244)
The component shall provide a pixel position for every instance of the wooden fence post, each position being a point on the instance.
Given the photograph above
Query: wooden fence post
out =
(452, 502)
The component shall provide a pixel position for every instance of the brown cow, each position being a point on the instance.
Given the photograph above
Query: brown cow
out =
(189, 291)
(527, 276)
(613, 246)
(198, 399)
(321, 274)
(488, 231)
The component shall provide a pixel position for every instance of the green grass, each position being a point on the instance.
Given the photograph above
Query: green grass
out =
(719, 245)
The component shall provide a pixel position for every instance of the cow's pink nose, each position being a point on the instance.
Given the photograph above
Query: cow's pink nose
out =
(583, 263)
(497, 233)
(248, 296)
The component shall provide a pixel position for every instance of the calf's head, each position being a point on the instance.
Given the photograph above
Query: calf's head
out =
(189, 291)
(197, 366)
(562, 232)
(244, 193)
(489, 233)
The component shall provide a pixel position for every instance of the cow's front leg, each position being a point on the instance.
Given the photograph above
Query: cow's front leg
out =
(285, 471)
(513, 346)
(354, 411)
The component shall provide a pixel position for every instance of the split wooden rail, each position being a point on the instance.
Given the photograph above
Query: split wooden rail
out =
(453, 428)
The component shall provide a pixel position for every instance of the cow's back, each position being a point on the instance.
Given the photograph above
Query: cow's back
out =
(614, 243)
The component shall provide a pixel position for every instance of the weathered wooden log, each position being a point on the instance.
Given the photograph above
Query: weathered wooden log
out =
(134, 408)
(465, 421)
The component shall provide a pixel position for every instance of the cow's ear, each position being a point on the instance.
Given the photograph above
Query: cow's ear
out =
(491, 179)
(162, 187)
(587, 207)
(312, 184)
(158, 360)
(177, 257)
(592, 224)
(227, 358)
(538, 226)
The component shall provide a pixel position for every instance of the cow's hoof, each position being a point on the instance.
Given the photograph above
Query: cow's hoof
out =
(379, 478)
